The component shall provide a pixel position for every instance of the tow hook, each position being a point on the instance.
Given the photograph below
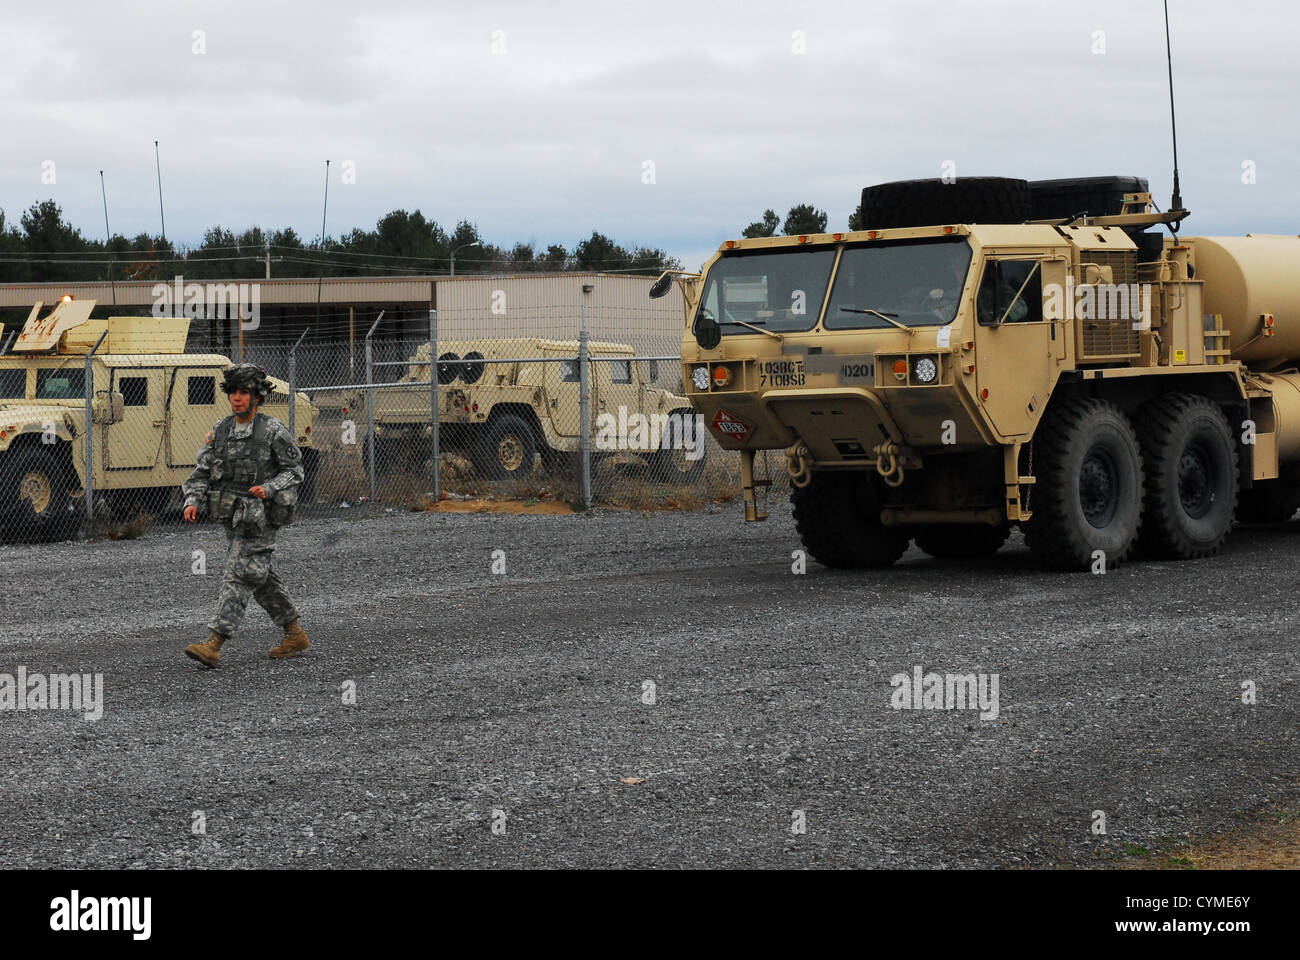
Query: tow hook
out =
(798, 463)
(889, 462)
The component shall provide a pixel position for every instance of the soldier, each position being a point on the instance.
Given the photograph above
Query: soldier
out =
(248, 473)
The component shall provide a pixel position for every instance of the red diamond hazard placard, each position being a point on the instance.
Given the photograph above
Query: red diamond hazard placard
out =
(733, 428)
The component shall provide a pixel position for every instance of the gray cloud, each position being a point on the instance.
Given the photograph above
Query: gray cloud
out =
(547, 139)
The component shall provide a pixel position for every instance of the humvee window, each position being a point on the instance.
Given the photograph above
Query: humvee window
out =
(202, 391)
(569, 372)
(918, 282)
(780, 290)
(13, 384)
(620, 371)
(68, 383)
(134, 390)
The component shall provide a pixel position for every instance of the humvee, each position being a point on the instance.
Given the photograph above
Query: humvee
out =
(152, 408)
(501, 415)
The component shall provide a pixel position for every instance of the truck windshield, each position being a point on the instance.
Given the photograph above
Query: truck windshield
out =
(778, 290)
(917, 282)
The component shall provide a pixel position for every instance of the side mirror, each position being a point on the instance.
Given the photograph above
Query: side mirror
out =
(660, 287)
(108, 409)
(707, 332)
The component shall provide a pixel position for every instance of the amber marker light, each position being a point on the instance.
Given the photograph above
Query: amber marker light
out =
(900, 369)
(721, 376)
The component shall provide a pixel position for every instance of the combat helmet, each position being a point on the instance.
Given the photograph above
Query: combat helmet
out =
(250, 377)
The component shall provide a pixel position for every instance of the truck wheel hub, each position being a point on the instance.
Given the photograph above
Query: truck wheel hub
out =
(1195, 484)
(37, 490)
(510, 452)
(1097, 485)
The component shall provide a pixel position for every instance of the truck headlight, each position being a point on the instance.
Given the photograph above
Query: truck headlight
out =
(700, 378)
(925, 370)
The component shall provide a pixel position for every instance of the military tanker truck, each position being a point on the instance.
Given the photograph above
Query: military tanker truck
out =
(153, 405)
(991, 353)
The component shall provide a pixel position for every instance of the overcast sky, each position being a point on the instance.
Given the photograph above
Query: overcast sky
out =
(536, 119)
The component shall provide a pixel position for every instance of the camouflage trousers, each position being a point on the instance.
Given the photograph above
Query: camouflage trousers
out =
(249, 573)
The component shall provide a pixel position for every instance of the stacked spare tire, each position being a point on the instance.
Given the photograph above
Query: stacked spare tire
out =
(925, 203)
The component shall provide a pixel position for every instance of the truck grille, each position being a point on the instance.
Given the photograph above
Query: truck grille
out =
(1111, 339)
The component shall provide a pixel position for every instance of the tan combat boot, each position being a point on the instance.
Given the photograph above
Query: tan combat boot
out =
(295, 641)
(208, 652)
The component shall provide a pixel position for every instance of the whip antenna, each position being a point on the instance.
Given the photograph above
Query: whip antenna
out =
(1175, 202)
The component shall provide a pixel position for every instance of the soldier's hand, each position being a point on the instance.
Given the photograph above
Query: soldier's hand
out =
(259, 492)
(191, 513)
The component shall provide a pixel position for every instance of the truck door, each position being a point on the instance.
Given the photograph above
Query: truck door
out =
(562, 396)
(617, 394)
(135, 442)
(1014, 346)
(191, 412)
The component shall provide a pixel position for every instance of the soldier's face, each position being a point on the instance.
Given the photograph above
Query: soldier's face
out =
(241, 401)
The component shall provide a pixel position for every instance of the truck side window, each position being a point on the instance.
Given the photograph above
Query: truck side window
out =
(13, 384)
(569, 372)
(1002, 281)
(202, 391)
(620, 371)
(65, 384)
(134, 390)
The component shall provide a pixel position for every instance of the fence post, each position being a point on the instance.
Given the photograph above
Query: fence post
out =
(89, 484)
(584, 405)
(433, 402)
(370, 403)
(293, 386)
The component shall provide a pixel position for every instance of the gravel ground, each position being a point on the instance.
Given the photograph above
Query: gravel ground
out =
(522, 693)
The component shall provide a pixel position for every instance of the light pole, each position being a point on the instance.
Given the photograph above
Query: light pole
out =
(463, 246)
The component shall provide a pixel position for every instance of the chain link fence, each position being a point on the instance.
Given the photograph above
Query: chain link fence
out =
(577, 408)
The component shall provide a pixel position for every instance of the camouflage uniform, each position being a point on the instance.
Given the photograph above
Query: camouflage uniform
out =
(222, 479)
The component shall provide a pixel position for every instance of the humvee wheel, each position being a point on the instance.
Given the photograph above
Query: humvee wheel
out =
(961, 541)
(1088, 496)
(671, 462)
(1191, 477)
(508, 450)
(448, 368)
(33, 494)
(36, 488)
(838, 519)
